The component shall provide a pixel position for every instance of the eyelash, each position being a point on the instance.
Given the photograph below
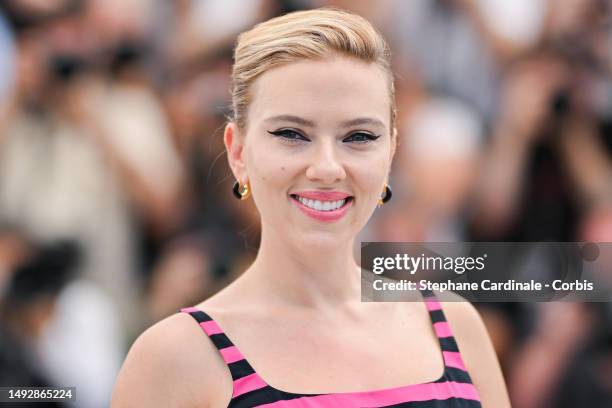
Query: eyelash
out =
(283, 133)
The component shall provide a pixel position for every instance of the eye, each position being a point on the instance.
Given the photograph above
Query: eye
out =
(289, 135)
(361, 137)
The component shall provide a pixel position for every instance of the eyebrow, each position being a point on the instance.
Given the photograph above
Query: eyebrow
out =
(305, 122)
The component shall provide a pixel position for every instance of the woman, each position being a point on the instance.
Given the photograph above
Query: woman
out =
(311, 141)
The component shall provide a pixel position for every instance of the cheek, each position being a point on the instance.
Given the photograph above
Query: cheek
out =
(268, 170)
(370, 175)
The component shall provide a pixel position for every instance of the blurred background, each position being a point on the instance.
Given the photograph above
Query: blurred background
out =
(115, 195)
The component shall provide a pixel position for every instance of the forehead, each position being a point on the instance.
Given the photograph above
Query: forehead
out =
(325, 91)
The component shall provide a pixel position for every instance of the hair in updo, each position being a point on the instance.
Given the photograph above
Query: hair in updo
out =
(300, 35)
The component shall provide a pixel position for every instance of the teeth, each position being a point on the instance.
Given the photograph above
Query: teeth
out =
(321, 205)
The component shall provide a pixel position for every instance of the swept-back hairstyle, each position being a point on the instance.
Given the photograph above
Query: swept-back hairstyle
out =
(311, 34)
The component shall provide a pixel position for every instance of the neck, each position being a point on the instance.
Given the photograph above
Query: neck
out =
(317, 277)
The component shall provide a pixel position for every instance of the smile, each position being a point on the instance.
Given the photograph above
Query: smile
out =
(321, 205)
(323, 209)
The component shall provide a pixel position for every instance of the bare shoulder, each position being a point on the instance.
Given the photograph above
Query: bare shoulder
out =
(172, 363)
(476, 349)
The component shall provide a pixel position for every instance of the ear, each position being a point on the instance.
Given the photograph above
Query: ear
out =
(234, 144)
(393, 143)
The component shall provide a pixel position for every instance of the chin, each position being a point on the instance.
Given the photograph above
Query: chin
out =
(320, 241)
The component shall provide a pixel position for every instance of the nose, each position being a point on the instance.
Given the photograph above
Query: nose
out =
(325, 166)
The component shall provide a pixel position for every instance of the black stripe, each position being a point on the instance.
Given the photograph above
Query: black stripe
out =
(265, 395)
(437, 316)
(268, 395)
(220, 340)
(254, 398)
(448, 344)
(200, 316)
(240, 368)
(450, 402)
(426, 293)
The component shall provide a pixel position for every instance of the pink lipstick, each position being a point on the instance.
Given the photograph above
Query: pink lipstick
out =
(324, 206)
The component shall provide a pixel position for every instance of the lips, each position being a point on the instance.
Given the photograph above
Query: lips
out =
(323, 195)
(321, 205)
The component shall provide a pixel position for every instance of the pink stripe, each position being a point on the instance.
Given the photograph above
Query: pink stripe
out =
(210, 327)
(442, 329)
(453, 359)
(411, 393)
(190, 309)
(433, 305)
(231, 354)
(249, 383)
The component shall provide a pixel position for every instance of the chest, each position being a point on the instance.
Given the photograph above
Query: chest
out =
(318, 356)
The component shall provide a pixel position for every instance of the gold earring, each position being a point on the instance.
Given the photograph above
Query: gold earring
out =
(244, 194)
(387, 194)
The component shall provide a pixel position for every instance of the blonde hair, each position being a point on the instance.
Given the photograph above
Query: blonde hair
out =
(299, 35)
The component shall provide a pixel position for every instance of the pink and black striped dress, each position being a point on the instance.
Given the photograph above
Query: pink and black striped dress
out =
(453, 389)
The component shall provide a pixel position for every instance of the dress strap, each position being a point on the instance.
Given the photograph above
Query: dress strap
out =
(450, 349)
(239, 367)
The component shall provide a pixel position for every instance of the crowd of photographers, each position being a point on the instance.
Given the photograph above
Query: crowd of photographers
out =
(115, 195)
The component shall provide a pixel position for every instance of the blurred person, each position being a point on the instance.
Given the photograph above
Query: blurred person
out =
(540, 366)
(201, 27)
(184, 274)
(55, 142)
(41, 191)
(44, 302)
(526, 105)
(54, 183)
(439, 160)
(440, 40)
(505, 28)
(196, 102)
(83, 343)
(462, 47)
(312, 139)
(575, 371)
(548, 166)
(548, 158)
(36, 275)
(551, 141)
(55, 329)
(509, 28)
(134, 130)
(51, 117)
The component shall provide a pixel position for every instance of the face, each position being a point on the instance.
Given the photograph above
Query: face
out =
(318, 148)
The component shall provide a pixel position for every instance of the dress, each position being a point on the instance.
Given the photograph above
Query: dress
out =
(453, 389)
